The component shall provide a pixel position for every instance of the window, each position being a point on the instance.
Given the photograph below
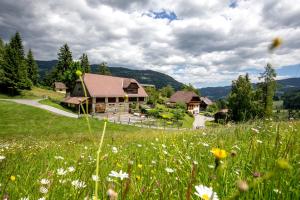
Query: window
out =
(100, 100)
(132, 99)
(111, 99)
(121, 99)
(141, 99)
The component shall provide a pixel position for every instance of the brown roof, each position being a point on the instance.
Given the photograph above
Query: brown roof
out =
(60, 85)
(75, 100)
(183, 96)
(110, 86)
(206, 100)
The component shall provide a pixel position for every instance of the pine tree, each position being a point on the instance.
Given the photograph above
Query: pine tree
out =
(64, 61)
(84, 62)
(103, 69)
(268, 87)
(240, 100)
(14, 68)
(32, 68)
(1, 60)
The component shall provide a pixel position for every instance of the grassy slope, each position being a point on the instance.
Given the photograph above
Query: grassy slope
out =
(17, 119)
(187, 121)
(35, 93)
(30, 139)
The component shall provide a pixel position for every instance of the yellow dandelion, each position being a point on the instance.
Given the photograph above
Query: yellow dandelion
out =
(12, 178)
(138, 178)
(275, 43)
(140, 166)
(219, 153)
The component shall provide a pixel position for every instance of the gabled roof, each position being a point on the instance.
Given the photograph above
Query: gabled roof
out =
(60, 85)
(183, 96)
(110, 86)
(206, 100)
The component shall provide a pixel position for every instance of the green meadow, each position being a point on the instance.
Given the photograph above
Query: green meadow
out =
(46, 156)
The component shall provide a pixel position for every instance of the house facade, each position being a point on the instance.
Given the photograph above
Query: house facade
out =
(108, 93)
(191, 99)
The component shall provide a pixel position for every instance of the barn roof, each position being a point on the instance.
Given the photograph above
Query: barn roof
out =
(110, 86)
(75, 100)
(183, 96)
(206, 100)
(60, 85)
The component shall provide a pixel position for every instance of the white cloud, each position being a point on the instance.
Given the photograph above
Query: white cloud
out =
(210, 43)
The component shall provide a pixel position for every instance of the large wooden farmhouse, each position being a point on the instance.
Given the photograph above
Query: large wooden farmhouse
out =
(191, 99)
(107, 93)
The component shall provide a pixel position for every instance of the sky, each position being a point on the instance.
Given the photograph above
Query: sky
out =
(205, 43)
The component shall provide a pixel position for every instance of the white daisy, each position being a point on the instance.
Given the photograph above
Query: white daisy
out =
(78, 184)
(114, 149)
(169, 170)
(24, 198)
(139, 145)
(2, 158)
(205, 193)
(42, 198)
(61, 172)
(95, 178)
(119, 174)
(71, 169)
(44, 181)
(43, 190)
(205, 144)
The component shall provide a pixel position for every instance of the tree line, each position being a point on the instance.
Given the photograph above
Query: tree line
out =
(17, 70)
(21, 72)
(245, 102)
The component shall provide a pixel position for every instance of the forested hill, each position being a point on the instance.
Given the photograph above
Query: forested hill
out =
(143, 76)
(284, 85)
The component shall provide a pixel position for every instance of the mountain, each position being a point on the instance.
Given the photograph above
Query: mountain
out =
(283, 85)
(142, 76)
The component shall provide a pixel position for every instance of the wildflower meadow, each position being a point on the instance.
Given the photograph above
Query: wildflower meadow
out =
(260, 160)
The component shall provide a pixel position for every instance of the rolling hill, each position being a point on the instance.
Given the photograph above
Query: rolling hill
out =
(143, 76)
(283, 86)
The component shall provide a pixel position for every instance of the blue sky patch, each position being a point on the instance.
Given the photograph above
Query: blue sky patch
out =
(163, 14)
(233, 4)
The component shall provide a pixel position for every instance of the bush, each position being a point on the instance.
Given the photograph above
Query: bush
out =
(153, 113)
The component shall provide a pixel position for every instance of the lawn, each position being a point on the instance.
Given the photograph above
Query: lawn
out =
(45, 155)
(49, 102)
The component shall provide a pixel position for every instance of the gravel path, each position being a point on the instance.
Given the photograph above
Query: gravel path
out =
(35, 103)
(200, 120)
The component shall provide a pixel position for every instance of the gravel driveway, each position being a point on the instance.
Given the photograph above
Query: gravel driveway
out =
(199, 121)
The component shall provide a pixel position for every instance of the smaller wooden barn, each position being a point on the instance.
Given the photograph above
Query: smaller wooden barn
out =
(60, 87)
